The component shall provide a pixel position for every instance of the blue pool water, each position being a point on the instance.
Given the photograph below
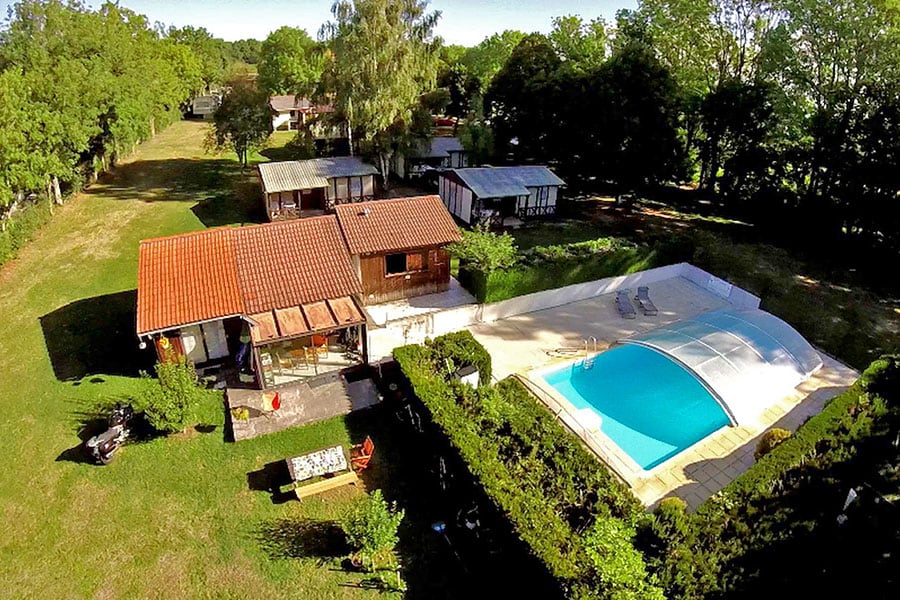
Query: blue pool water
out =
(651, 407)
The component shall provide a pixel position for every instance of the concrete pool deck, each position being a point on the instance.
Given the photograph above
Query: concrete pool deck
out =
(522, 343)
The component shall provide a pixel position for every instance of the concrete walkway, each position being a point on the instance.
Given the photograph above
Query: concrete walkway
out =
(312, 400)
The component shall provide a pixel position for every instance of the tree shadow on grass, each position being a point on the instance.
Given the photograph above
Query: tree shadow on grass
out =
(223, 193)
(95, 335)
(302, 538)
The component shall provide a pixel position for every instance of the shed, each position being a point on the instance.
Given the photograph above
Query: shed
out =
(301, 188)
(500, 195)
(438, 153)
(398, 246)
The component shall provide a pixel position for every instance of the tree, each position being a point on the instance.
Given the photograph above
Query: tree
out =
(290, 63)
(385, 58)
(484, 250)
(486, 59)
(371, 529)
(247, 51)
(520, 101)
(213, 52)
(243, 120)
(581, 46)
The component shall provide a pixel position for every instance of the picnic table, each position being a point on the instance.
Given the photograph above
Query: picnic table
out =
(328, 463)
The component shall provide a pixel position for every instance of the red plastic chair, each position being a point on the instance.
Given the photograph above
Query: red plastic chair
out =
(361, 454)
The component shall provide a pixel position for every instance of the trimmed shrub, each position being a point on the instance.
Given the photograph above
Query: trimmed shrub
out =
(461, 348)
(769, 441)
(786, 502)
(540, 476)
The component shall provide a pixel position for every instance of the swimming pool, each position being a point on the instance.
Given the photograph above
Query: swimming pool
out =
(651, 407)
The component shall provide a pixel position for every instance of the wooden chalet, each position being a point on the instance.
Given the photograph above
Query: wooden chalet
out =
(398, 246)
(500, 196)
(436, 154)
(287, 288)
(294, 112)
(302, 188)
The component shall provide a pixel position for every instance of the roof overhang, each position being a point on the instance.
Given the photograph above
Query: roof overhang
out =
(306, 319)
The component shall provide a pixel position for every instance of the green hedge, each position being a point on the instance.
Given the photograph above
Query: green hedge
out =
(548, 267)
(721, 548)
(20, 228)
(574, 515)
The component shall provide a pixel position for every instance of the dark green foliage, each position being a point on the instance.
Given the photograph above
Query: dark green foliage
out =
(243, 121)
(461, 349)
(15, 231)
(776, 525)
(562, 502)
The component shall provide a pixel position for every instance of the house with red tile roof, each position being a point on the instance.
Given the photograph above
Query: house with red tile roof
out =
(399, 246)
(285, 300)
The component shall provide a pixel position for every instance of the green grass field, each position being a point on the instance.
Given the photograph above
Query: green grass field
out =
(174, 517)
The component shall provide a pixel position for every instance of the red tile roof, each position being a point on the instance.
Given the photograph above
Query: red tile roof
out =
(222, 272)
(186, 279)
(383, 226)
(292, 263)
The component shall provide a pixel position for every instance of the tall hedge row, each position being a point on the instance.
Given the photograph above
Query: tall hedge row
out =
(575, 516)
(784, 507)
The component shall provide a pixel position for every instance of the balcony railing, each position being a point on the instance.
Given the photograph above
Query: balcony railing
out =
(529, 212)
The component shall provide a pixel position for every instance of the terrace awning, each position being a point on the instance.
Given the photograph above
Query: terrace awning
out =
(305, 319)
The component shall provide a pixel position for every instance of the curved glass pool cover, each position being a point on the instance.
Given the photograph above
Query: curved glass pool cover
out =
(747, 359)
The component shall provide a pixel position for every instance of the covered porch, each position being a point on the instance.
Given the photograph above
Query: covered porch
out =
(294, 344)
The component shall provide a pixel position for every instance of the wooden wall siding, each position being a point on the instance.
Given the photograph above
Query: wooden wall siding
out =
(379, 287)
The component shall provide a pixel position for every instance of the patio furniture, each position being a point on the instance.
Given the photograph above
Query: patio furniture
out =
(329, 463)
(361, 454)
(623, 305)
(320, 344)
(643, 298)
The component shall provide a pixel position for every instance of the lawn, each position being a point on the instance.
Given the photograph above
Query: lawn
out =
(183, 516)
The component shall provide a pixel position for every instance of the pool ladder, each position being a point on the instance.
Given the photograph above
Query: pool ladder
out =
(590, 345)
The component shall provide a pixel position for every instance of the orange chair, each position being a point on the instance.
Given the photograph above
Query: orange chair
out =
(361, 454)
(320, 343)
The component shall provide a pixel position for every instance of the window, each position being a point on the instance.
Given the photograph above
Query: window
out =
(395, 263)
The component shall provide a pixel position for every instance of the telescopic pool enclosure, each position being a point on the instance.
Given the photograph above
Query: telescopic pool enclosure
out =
(745, 358)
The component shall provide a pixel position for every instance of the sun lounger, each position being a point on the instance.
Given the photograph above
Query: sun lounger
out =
(643, 298)
(623, 304)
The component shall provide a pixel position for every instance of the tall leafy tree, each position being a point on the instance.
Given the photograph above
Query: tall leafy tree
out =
(485, 59)
(243, 121)
(290, 62)
(520, 101)
(385, 58)
(581, 46)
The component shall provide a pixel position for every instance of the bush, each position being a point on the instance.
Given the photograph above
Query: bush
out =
(169, 402)
(547, 267)
(17, 230)
(769, 440)
(371, 529)
(483, 250)
(541, 477)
